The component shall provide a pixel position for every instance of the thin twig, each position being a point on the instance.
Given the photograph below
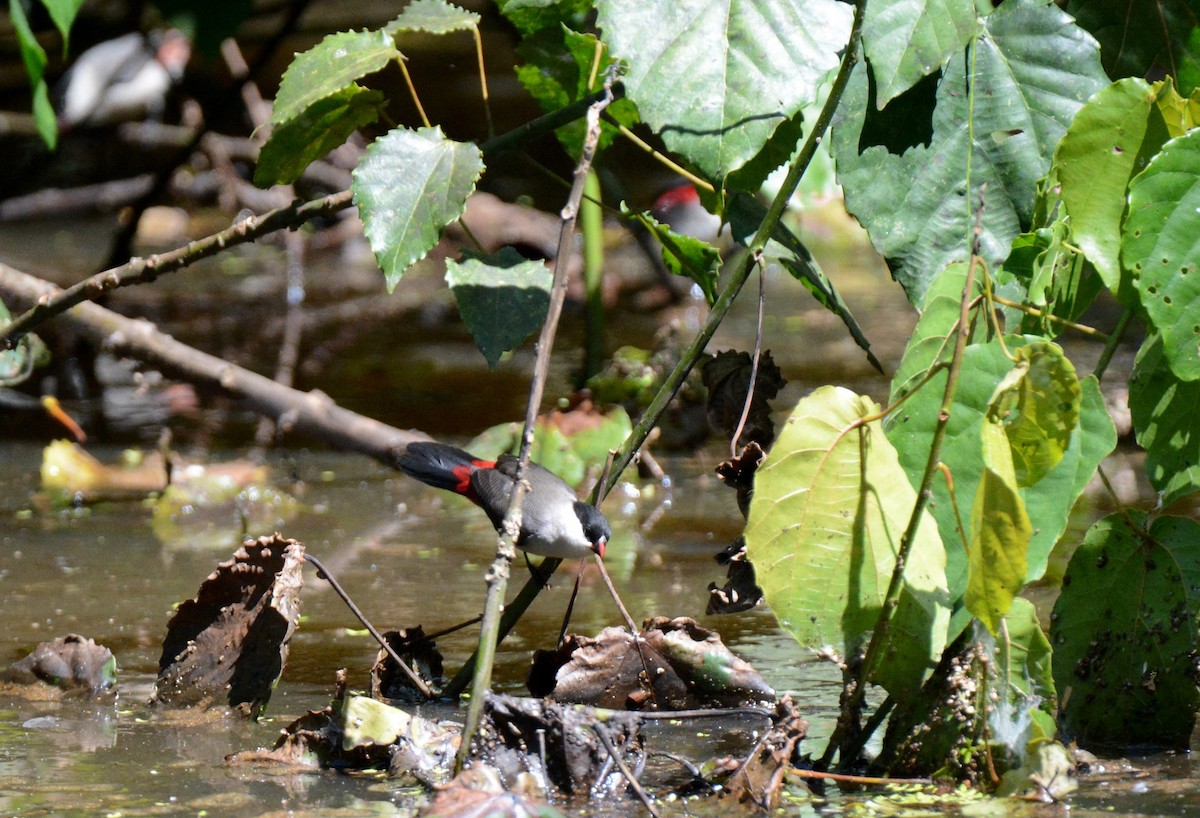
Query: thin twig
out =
(483, 86)
(758, 334)
(1091, 332)
(416, 680)
(865, 780)
(1114, 340)
(510, 528)
(634, 785)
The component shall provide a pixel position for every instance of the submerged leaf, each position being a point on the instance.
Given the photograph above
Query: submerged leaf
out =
(228, 645)
(71, 663)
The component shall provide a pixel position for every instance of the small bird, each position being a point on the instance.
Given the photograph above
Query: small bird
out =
(122, 80)
(679, 208)
(554, 522)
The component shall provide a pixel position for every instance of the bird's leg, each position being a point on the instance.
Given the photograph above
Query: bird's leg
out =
(544, 579)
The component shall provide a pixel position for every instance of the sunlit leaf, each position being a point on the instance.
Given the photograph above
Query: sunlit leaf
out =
(1124, 633)
(502, 298)
(1167, 424)
(408, 187)
(63, 12)
(331, 66)
(830, 504)
(314, 132)
(1102, 150)
(1039, 409)
(433, 17)
(908, 39)
(715, 78)
(685, 255)
(999, 535)
(1160, 245)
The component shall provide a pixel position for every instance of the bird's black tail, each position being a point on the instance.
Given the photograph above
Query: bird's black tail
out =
(438, 465)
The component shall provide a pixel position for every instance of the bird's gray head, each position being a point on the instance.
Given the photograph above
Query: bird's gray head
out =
(595, 526)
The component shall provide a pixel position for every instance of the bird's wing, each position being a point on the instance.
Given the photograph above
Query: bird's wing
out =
(493, 488)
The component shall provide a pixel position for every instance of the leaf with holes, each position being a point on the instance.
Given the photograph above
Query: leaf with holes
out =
(1124, 633)
(1166, 422)
(1160, 244)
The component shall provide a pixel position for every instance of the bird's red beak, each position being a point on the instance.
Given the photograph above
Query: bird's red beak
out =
(598, 547)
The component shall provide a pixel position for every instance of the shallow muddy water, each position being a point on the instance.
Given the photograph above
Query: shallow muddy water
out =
(404, 553)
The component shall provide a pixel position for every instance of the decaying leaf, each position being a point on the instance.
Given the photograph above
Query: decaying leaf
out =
(228, 646)
(740, 591)
(557, 743)
(71, 663)
(715, 677)
(738, 473)
(689, 665)
(360, 733)
(760, 776)
(612, 671)
(478, 792)
(422, 656)
(727, 376)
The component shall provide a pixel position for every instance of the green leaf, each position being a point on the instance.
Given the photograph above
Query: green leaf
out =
(1059, 280)
(206, 24)
(502, 298)
(570, 457)
(16, 365)
(63, 12)
(932, 340)
(746, 213)
(408, 187)
(1166, 422)
(829, 506)
(331, 66)
(433, 17)
(1132, 45)
(558, 64)
(1040, 409)
(716, 79)
(1032, 69)
(34, 57)
(314, 132)
(685, 255)
(1048, 502)
(906, 40)
(1160, 245)
(1124, 633)
(999, 535)
(1030, 656)
(533, 15)
(1109, 141)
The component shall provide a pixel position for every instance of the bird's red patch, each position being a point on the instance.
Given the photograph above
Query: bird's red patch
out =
(463, 475)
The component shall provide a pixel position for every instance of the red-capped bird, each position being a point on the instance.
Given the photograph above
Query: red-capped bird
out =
(554, 522)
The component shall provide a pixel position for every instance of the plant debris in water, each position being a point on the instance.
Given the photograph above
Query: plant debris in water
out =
(227, 647)
(419, 652)
(71, 663)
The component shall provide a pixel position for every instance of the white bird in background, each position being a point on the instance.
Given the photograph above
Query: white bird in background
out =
(122, 80)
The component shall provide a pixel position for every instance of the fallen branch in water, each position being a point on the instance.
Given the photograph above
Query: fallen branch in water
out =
(310, 412)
